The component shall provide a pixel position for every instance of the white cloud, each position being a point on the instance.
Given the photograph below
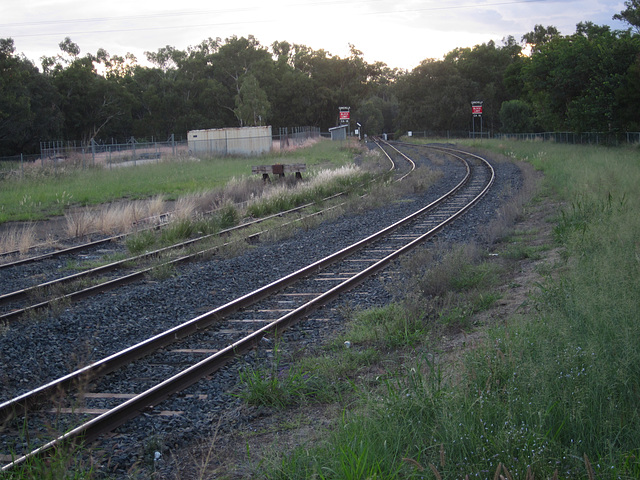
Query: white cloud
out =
(400, 33)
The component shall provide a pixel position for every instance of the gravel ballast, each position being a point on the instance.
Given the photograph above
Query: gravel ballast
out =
(35, 351)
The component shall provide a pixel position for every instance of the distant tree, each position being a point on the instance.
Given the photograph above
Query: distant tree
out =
(540, 36)
(70, 48)
(484, 68)
(434, 96)
(627, 96)
(631, 14)
(370, 115)
(294, 92)
(252, 106)
(91, 105)
(28, 104)
(234, 60)
(516, 116)
(116, 67)
(574, 82)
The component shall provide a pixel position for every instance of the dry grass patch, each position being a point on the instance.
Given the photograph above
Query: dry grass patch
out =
(18, 239)
(80, 223)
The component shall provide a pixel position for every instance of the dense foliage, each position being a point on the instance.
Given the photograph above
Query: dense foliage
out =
(587, 81)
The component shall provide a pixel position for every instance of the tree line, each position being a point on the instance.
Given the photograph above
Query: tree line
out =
(583, 82)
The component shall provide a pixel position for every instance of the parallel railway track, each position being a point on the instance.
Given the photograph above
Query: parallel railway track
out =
(226, 331)
(15, 304)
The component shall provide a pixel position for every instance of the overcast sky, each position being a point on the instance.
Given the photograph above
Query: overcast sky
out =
(400, 33)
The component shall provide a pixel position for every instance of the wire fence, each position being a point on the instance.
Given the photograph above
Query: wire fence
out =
(573, 138)
(585, 138)
(59, 154)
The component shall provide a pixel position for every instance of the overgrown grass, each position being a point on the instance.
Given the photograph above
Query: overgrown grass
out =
(41, 193)
(283, 383)
(550, 394)
(69, 463)
(269, 200)
(320, 186)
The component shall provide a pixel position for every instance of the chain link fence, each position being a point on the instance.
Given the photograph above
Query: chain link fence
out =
(586, 138)
(132, 152)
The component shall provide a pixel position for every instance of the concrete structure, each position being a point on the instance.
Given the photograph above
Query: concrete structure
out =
(245, 141)
(338, 133)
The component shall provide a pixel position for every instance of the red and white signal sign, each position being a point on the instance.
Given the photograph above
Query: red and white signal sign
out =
(345, 115)
(476, 108)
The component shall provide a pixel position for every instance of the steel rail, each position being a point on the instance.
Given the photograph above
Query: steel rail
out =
(411, 162)
(131, 408)
(125, 279)
(115, 417)
(132, 277)
(23, 293)
(95, 243)
(114, 238)
(114, 283)
(108, 364)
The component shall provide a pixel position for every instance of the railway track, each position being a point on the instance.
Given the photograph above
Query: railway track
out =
(113, 274)
(224, 332)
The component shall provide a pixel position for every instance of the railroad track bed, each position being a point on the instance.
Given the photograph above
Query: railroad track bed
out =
(141, 310)
(67, 275)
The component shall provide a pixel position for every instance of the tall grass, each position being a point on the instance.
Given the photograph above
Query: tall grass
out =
(323, 184)
(18, 239)
(37, 195)
(551, 394)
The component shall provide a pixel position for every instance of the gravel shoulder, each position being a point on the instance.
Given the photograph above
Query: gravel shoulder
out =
(272, 432)
(43, 348)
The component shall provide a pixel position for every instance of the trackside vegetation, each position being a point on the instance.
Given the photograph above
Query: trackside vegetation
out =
(544, 81)
(44, 192)
(550, 392)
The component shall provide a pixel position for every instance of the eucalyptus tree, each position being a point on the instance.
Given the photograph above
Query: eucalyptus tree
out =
(91, 105)
(434, 96)
(252, 105)
(28, 103)
(236, 61)
(484, 67)
(631, 14)
(294, 95)
(577, 82)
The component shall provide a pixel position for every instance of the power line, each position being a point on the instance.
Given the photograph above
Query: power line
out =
(174, 14)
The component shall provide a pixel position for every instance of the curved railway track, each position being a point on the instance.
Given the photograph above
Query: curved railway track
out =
(224, 332)
(70, 246)
(13, 303)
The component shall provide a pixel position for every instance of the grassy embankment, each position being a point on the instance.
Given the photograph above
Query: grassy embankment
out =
(551, 393)
(41, 193)
(182, 188)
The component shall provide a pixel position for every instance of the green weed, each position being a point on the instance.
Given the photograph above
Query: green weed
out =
(281, 384)
(553, 394)
(141, 242)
